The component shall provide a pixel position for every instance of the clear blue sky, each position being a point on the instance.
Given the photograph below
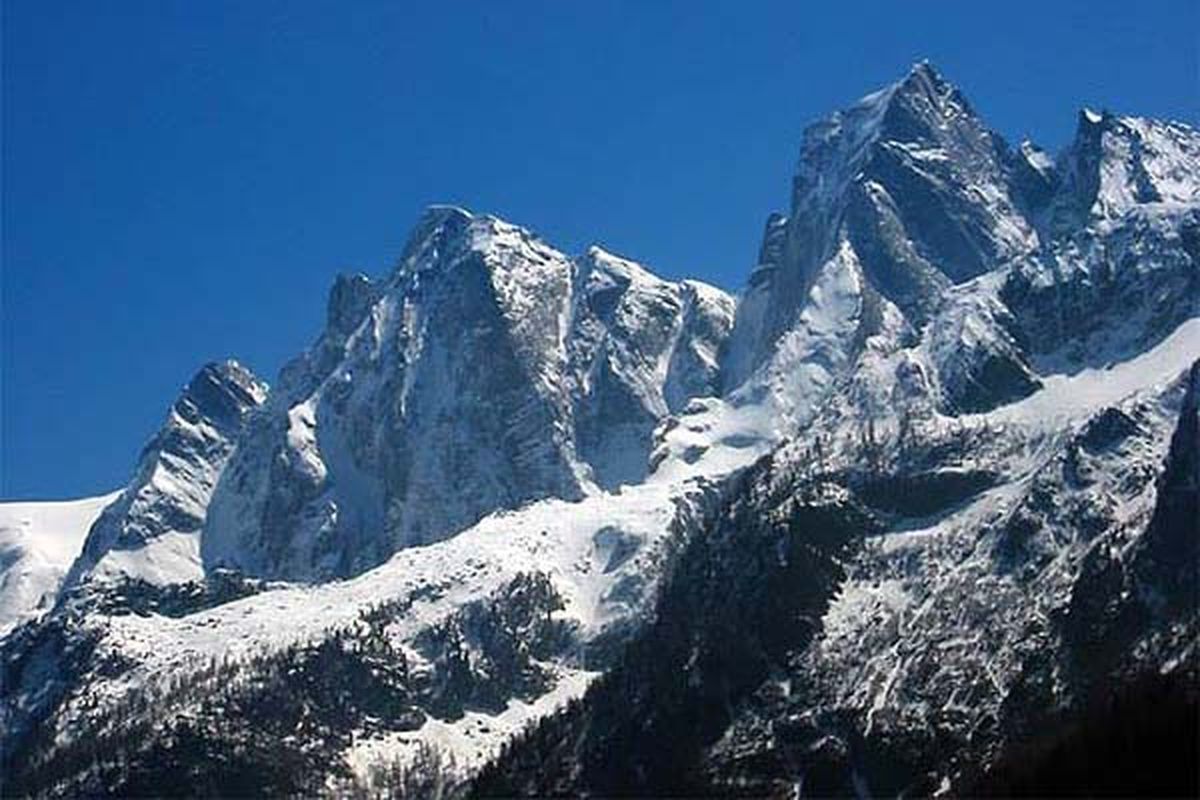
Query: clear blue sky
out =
(181, 180)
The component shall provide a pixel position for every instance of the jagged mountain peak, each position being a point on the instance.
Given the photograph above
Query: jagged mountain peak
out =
(921, 106)
(151, 531)
(1117, 163)
(923, 67)
(925, 85)
(509, 447)
(599, 270)
(607, 265)
(914, 183)
(436, 221)
(600, 257)
(445, 234)
(911, 187)
(488, 370)
(221, 391)
(922, 119)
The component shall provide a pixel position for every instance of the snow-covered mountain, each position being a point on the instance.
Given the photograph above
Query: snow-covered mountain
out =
(906, 188)
(151, 532)
(943, 583)
(486, 372)
(1000, 606)
(859, 531)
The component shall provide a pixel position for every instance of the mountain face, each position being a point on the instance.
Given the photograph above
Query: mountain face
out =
(488, 371)
(1119, 218)
(148, 532)
(941, 621)
(915, 514)
(1119, 163)
(151, 531)
(910, 187)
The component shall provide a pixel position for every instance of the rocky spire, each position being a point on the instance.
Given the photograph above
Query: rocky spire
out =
(918, 186)
(175, 477)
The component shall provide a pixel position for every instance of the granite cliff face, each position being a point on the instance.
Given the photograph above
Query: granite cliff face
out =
(910, 185)
(488, 371)
(151, 532)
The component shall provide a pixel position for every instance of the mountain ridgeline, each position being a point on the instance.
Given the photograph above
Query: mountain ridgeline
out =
(488, 371)
(915, 513)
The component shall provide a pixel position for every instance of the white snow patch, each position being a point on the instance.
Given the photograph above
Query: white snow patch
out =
(474, 738)
(38, 543)
(167, 559)
(1066, 397)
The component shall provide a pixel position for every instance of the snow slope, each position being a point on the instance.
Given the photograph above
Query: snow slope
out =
(38, 544)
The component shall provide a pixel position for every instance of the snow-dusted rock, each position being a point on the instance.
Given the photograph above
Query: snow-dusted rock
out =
(151, 531)
(1117, 163)
(639, 348)
(487, 371)
(985, 389)
(914, 182)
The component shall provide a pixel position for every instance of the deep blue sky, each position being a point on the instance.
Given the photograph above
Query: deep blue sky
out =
(181, 180)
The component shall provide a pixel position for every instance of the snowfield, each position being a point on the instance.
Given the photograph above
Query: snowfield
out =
(38, 544)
